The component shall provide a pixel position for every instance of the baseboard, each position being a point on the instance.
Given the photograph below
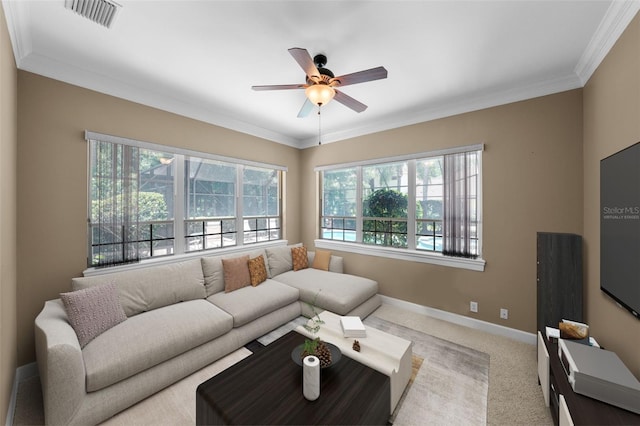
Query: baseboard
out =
(23, 372)
(511, 333)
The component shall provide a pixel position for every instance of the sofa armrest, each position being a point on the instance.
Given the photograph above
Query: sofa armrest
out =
(336, 263)
(60, 364)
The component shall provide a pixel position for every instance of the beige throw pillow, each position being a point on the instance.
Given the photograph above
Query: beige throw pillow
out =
(322, 260)
(236, 273)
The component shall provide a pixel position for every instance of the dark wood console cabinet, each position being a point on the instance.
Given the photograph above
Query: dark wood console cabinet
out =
(568, 407)
(559, 279)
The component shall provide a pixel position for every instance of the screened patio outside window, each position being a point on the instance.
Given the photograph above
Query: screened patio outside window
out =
(147, 200)
(427, 204)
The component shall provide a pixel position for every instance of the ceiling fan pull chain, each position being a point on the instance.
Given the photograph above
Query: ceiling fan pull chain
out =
(319, 125)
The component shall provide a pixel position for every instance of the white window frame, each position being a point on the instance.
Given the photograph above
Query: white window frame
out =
(180, 156)
(410, 253)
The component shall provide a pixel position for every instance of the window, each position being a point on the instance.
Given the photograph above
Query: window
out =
(260, 206)
(426, 204)
(131, 193)
(429, 198)
(385, 204)
(340, 204)
(210, 204)
(148, 201)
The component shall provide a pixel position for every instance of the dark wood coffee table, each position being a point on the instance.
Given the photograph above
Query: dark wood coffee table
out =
(266, 388)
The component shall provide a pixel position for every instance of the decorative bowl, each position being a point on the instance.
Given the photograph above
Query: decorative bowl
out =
(335, 354)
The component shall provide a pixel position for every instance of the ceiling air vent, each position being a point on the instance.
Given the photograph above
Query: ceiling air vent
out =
(101, 12)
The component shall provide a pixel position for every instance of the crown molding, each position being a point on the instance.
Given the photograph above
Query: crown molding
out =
(461, 106)
(17, 16)
(613, 24)
(617, 18)
(49, 67)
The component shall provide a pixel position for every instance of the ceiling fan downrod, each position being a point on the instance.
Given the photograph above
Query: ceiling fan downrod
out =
(320, 61)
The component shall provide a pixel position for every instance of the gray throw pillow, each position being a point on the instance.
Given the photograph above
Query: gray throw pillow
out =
(93, 310)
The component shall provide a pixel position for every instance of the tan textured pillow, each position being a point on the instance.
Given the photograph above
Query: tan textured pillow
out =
(93, 310)
(236, 273)
(299, 258)
(257, 270)
(321, 260)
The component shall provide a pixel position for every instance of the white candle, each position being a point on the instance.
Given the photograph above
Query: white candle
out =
(311, 377)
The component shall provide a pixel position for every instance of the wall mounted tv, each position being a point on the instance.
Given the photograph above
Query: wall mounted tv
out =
(620, 227)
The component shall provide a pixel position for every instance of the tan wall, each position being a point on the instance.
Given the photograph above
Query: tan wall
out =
(611, 123)
(8, 220)
(52, 175)
(532, 173)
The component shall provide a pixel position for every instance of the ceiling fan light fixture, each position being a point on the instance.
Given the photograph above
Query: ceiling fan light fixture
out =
(320, 94)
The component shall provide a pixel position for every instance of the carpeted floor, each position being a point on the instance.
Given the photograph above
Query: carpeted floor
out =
(451, 388)
(513, 394)
(515, 397)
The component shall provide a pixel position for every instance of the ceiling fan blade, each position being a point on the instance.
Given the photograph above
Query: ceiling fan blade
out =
(279, 87)
(303, 59)
(306, 108)
(349, 102)
(361, 76)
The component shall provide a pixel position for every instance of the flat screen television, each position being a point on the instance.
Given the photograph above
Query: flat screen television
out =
(620, 227)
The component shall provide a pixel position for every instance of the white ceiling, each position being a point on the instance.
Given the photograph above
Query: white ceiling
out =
(200, 58)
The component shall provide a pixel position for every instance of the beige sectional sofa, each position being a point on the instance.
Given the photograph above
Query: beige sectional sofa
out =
(179, 318)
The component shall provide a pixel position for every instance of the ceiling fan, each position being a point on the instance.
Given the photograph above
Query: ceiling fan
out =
(320, 86)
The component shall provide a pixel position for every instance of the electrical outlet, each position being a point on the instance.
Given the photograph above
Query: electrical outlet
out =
(473, 306)
(504, 313)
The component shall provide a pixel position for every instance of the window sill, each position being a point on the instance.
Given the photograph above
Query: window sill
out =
(165, 260)
(404, 254)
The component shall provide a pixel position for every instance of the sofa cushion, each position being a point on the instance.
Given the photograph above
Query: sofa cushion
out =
(236, 273)
(338, 293)
(144, 289)
(280, 260)
(257, 270)
(92, 311)
(299, 258)
(151, 338)
(214, 273)
(250, 303)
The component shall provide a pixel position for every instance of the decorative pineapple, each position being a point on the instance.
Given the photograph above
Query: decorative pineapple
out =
(356, 346)
(318, 348)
